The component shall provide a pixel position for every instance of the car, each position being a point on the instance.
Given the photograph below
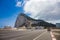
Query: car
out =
(48, 29)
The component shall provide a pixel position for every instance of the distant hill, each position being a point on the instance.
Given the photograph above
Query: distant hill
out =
(24, 20)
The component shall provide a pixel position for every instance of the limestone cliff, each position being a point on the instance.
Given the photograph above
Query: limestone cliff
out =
(24, 20)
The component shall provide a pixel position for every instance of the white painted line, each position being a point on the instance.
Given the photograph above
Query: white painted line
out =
(39, 36)
(53, 37)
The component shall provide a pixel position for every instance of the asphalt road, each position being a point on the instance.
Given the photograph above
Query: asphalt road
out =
(25, 35)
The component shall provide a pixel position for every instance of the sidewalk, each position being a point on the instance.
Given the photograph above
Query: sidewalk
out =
(56, 33)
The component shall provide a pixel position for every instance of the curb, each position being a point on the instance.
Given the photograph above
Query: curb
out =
(53, 37)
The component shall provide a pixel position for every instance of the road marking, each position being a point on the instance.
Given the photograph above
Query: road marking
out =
(53, 37)
(39, 36)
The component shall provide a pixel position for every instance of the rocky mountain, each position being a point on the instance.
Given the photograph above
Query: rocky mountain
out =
(24, 20)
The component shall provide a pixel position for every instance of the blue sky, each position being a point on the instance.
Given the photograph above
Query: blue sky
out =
(8, 12)
(48, 10)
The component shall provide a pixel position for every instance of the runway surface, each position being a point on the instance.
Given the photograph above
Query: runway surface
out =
(41, 34)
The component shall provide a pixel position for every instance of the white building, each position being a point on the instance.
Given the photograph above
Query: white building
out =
(39, 27)
(58, 25)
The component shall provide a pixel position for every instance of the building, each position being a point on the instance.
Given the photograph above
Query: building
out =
(57, 25)
(39, 27)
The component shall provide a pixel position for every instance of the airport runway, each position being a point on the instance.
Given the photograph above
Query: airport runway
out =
(41, 34)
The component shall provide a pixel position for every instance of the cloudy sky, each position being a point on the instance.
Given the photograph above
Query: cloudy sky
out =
(48, 10)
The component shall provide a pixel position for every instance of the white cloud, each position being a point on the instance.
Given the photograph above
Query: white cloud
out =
(48, 10)
(18, 4)
(36, 6)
